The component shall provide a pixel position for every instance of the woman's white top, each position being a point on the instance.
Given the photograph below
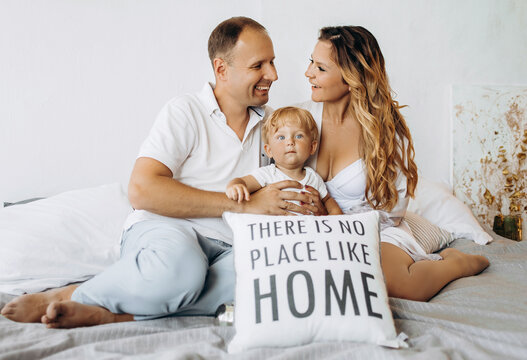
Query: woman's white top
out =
(348, 189)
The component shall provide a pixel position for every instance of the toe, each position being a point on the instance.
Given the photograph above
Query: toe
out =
(53, 325)
(50, 323)
(7, 310)
(52, 311)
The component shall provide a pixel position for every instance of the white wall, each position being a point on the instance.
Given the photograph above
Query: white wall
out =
(82, 81)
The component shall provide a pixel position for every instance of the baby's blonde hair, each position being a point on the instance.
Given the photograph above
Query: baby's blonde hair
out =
(289, 113)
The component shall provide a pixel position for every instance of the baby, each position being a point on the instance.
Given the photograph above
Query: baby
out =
(290, 135)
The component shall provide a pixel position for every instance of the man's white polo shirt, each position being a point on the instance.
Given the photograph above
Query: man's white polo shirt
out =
(191, 137)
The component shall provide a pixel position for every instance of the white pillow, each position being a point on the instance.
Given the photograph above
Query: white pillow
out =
(436, 203)
(431, 237)
(290, 270)
(62, 239)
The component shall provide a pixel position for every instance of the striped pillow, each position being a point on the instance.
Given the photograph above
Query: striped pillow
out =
(431, 237)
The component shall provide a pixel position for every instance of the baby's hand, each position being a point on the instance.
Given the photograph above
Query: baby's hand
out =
(238, 192)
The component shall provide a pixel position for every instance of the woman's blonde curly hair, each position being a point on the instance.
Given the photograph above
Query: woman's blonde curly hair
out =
(386, 143)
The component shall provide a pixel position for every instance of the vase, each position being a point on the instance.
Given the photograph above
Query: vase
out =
(509, 226)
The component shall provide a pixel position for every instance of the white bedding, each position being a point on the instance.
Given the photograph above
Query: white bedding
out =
(74, 235)
(62, 239)
(480, 317)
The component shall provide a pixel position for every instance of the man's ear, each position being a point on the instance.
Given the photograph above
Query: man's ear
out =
(267, 149)
(220, 68)
(314, 146)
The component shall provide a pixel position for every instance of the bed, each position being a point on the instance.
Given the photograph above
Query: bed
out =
(480, 317)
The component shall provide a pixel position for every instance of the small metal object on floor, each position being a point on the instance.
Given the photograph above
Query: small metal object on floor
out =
(225, 315)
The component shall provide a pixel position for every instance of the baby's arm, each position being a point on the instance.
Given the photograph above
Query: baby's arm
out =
(239, 189)
(331, 205)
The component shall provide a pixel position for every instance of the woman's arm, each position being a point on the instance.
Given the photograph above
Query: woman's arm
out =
(332, 206)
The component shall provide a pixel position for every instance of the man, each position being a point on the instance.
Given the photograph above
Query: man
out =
(175, 252)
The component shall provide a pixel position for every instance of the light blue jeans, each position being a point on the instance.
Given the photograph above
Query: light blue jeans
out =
(166, 268)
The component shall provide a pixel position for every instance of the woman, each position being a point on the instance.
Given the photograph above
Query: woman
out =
(366, 157)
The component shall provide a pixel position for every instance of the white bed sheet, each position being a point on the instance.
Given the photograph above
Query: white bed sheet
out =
(480, 317)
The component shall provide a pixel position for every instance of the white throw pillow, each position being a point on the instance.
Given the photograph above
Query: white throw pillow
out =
(303, 279)
(62, 239)
(436, 203)
(431, 237)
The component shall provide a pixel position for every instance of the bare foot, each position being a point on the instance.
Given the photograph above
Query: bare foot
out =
(70, 314)
(31, 307)
(468, 264)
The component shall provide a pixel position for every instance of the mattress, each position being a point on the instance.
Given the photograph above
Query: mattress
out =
(479, 317)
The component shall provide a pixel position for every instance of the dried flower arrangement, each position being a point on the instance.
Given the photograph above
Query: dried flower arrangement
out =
(512, 194)
(490, 152)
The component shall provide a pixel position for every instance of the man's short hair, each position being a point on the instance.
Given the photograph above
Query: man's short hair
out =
(224, 37)
(289, 113)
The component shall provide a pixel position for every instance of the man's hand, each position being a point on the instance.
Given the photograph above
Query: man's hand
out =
(238, 192)
(271, 200)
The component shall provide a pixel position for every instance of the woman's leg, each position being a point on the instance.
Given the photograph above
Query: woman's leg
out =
(422, 280)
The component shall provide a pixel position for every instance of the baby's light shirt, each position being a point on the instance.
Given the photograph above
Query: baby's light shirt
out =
(270, 174)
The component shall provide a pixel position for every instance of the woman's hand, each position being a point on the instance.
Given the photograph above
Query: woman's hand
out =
(315, 204)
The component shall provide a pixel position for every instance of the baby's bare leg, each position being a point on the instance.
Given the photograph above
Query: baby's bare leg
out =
(31, 307)
(423, 279)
